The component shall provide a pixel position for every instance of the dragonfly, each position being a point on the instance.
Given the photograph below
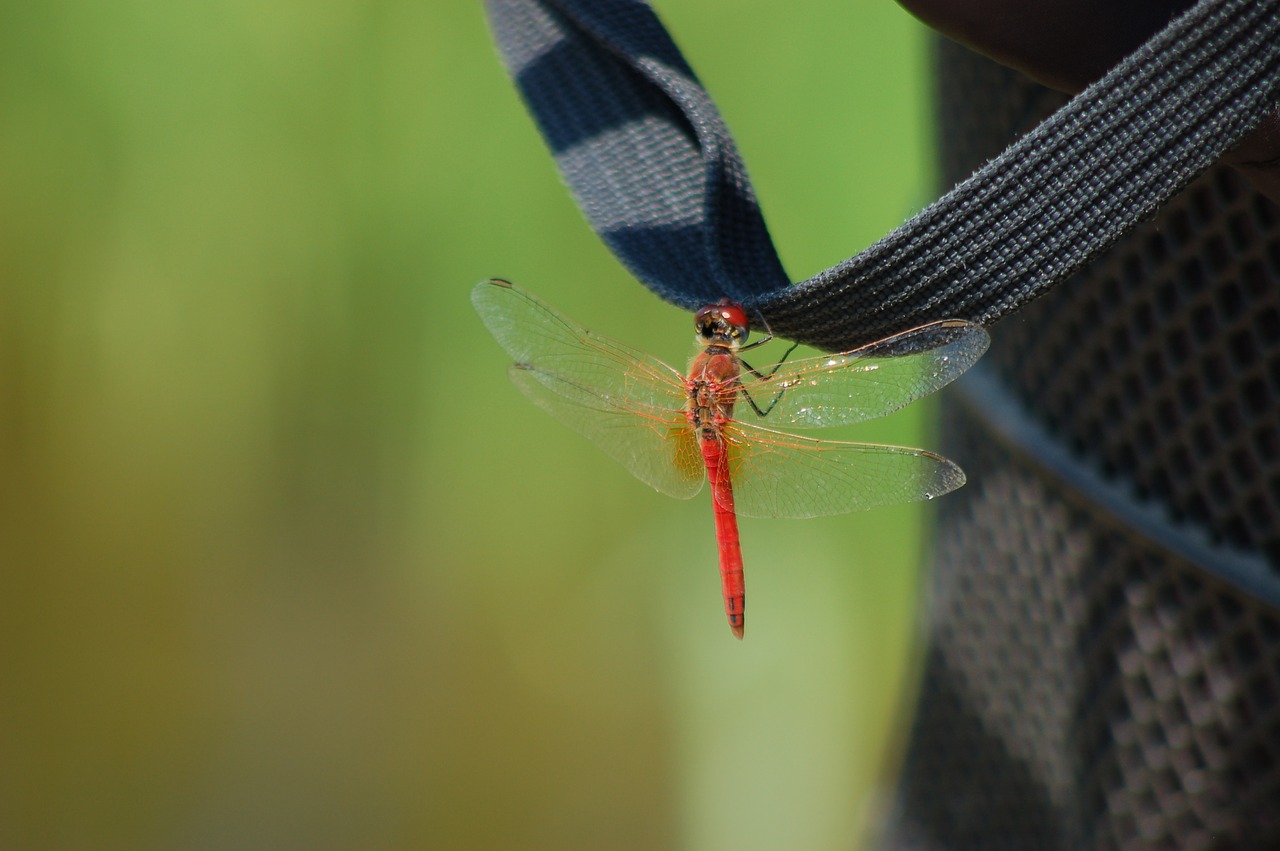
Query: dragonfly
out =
(675, 430)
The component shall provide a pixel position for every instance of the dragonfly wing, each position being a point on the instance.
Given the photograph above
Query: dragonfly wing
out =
(658, 447)
(629, 403)
(537, 335)
(785, 475)
(869, 382)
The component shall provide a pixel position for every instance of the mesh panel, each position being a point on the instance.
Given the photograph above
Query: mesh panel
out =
(1163, 364)
(1088, 686)
(1086, 689)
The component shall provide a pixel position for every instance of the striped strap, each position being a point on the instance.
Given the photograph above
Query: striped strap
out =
(653, 166)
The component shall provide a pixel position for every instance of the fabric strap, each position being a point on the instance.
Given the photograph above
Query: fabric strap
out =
(649, 159)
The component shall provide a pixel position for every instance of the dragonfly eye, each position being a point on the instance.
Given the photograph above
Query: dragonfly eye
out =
(735, 316)
(722, 322)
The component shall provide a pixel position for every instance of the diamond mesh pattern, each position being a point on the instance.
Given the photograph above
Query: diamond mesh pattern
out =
(1163, 364)
(1087, 687)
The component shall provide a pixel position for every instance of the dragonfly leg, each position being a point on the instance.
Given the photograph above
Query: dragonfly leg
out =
(768, 335)
(760, 412)
(764, 412)
(763, 375)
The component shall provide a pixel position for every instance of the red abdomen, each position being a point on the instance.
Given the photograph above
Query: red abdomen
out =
(732, 581)
(713, 388)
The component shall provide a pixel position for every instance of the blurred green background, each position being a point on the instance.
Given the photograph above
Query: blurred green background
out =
(285, 561)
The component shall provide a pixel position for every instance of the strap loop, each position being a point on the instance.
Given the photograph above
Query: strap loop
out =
(653, 166)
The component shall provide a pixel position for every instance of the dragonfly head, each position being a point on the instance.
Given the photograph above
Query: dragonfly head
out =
(722, 324)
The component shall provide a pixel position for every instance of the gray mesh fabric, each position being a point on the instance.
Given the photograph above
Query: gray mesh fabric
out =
(1104, 666)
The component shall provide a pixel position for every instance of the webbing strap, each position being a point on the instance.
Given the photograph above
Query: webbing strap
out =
(649, 159)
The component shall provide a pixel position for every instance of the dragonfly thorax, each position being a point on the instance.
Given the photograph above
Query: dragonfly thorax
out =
(712, 388)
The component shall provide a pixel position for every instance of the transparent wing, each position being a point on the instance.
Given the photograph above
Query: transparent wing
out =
(869, 382)
(629, 404)
(537, 336)
(786, 475)
(658, 448)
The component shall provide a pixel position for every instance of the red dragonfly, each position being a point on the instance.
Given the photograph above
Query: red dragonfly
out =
(673, 431)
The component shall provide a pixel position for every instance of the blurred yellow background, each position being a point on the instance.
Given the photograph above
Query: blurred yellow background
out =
(285, 561)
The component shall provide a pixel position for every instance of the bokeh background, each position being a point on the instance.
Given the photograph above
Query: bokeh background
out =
(285, 561)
